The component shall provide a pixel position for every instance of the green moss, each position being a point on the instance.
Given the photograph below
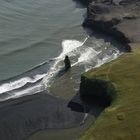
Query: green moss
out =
(120, 121)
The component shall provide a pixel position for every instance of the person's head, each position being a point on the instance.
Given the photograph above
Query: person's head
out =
(66, 57)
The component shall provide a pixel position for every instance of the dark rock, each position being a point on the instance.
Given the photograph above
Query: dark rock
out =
(84, 2)
(98, 9)
(97, 91)
(119, 19)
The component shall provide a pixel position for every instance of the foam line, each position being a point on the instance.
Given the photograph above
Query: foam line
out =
(68, 48)
(19, 83)
(83, 55)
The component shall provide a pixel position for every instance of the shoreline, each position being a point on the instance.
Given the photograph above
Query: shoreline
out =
(33, 106)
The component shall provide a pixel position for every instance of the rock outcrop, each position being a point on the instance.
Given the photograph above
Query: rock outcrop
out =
(120, 18)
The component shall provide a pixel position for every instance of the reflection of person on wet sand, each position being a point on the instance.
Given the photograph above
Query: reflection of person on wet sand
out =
(67, 63)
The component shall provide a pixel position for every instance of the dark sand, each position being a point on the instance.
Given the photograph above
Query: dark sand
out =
(61, 117)
(67, 92)
(63, 134)
(21, 117)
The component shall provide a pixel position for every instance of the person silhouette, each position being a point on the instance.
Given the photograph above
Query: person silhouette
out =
(67, 63)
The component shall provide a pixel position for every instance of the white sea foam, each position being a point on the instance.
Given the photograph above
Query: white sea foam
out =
(19, 83)
(108, 58)
(68, 46)
(85, 55)
(28, 91)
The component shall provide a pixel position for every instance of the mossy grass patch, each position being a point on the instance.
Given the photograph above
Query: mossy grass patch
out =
(121, 120)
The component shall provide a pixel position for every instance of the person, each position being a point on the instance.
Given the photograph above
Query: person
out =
(67, 63)
(111, 2)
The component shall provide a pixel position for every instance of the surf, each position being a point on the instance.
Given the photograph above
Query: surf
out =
(42, 76)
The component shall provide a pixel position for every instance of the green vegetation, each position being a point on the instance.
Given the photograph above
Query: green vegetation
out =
(121, 120)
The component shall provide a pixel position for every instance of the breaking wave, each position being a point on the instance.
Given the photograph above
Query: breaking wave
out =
(41, 77)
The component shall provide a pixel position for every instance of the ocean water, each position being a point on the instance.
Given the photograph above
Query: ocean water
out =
(35, 36)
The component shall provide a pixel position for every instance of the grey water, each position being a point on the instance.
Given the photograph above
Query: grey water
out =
(31, 32)
(35, 36)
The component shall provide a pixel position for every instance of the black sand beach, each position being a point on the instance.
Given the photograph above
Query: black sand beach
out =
(21, 117)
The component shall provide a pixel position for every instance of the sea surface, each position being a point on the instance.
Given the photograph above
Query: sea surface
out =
(35, 36)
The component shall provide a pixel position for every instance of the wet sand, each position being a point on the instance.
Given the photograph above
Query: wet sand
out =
(63, 134)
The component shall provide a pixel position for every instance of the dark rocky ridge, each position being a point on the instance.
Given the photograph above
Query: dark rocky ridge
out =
(84, 2)
(120, 19)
